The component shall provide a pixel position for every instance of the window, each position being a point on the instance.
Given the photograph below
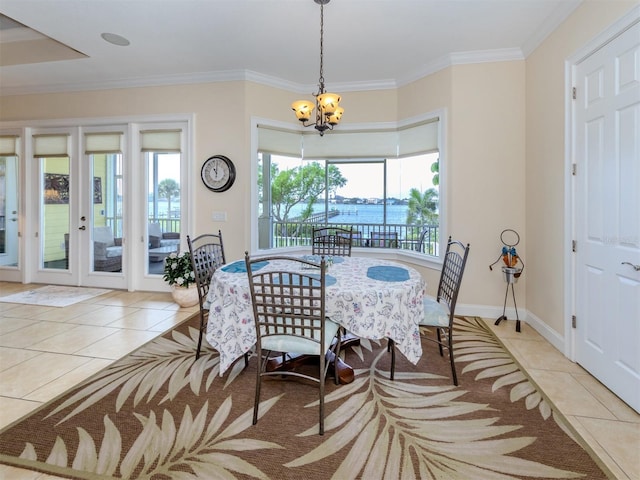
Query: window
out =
(390, 200)
(162, 153)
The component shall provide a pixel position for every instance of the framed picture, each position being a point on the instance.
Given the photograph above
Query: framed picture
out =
(56, 189)
(97, 190)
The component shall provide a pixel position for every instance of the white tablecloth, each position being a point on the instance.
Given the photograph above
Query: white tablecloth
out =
(371, 298)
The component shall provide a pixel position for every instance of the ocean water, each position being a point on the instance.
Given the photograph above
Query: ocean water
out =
(365, 213)
(349, 213)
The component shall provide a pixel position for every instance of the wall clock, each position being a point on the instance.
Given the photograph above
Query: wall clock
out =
(218, 173)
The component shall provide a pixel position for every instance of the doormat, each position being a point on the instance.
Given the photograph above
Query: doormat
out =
(54, 296)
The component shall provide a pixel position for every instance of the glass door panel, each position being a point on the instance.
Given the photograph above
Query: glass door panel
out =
(163, 208)
(107, 196)
(55, 216)
(9, 211)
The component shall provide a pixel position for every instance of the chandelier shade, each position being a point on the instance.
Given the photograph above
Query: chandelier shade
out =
(303, 109)
(327, 105)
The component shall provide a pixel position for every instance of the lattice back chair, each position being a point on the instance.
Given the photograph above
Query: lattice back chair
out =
(207, 254)
(289, 313)
(332, 241)
(439, 312)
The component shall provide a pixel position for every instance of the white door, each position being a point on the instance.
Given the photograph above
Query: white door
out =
(607, 214)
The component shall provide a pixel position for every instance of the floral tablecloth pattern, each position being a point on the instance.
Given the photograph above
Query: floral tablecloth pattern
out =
(371, 298)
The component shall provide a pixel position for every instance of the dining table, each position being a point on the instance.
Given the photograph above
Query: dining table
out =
(371, 298)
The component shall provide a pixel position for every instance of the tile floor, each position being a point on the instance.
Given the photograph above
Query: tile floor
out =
(37, 363)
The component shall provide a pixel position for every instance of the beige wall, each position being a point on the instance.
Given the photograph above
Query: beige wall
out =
(505, 146)
(485, 144)
(545, 151)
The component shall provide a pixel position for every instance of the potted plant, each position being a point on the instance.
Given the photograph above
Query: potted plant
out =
(180, 276)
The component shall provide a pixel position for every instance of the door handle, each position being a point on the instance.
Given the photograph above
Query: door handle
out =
(635, 267)
(82, 228)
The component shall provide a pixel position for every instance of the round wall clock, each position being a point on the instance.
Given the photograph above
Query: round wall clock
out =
(218, 173)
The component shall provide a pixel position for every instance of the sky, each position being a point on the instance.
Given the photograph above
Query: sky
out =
(365, 180)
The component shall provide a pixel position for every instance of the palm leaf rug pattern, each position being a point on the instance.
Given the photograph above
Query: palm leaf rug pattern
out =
(157, 414)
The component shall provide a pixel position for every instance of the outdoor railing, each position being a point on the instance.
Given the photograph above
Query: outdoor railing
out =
(419, 238)
(166, 224)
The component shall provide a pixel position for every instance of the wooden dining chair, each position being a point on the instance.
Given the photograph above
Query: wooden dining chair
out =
(439, 312)
(289, 313)
(334, 241)
(206, 253)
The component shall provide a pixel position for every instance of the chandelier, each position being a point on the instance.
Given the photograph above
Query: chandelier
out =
(328, 110)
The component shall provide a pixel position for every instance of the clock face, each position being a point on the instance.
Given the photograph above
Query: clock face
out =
(218, 173)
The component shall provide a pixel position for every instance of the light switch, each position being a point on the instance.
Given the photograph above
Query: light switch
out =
(219, 216)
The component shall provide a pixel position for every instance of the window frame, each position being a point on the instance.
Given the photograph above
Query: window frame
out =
(404, 255)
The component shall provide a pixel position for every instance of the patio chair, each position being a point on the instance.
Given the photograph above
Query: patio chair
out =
(289, 314)
(332, 241)
(439, 312)
(107, 250)
(384, 239)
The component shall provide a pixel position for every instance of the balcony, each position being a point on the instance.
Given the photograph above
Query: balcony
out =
(417, 238)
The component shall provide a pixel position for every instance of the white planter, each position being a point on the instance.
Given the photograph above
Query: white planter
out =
(185, 297)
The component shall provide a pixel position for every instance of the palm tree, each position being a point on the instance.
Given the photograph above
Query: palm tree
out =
(168, 188)
(422, 207)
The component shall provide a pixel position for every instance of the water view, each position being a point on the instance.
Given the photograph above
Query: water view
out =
(364, 213)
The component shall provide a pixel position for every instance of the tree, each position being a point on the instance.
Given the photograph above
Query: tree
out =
(435, 168)
(301, 185)
(422, 207)
(169, 189)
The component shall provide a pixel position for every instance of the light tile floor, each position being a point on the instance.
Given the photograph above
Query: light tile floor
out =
(46, 350)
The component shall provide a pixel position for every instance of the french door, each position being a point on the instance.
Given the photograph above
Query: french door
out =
(96, 204)
(79, 222)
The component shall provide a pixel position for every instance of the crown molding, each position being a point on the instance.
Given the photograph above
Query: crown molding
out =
(554, 20)
(459, 58)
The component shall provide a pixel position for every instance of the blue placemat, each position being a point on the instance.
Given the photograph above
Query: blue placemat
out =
(388, 273)
(239, 266)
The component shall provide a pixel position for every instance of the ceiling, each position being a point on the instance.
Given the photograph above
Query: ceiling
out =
(56, 45)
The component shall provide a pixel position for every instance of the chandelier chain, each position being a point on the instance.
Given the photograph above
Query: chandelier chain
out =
(321, 79)
(328, 111)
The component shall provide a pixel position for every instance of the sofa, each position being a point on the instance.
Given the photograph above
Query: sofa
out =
(158, 239)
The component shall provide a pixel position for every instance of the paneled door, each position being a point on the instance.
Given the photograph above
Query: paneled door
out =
(607, 214)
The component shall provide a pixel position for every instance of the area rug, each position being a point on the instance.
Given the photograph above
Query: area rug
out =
(159, 414)
(54, 296)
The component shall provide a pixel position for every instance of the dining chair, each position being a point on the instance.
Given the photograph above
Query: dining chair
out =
(289, 313)
(332, 241)
(439, 312)
(206, 253)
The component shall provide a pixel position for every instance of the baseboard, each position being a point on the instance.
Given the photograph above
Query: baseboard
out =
(489, 311)
(550, 335)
